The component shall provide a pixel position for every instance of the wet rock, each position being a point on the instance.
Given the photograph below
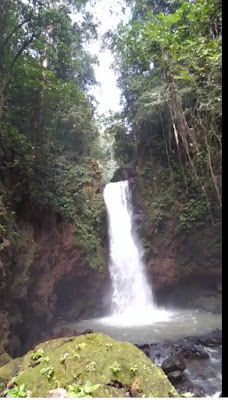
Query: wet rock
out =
(189, 387)
(64, 332)
(15, 346)
(87, 331)
(172, 364)
(196, 351)
(175, 376)
(211, 339)
(191, 347)
(126, 172)
(200, 377)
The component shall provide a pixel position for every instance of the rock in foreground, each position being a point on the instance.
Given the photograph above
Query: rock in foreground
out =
(117, 369)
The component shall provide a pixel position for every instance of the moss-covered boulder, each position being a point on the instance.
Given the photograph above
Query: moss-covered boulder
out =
(118, 369)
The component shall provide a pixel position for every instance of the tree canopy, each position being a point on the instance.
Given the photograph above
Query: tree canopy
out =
(45, 73)
(168, 60)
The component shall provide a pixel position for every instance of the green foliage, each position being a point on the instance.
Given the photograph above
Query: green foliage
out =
(115, 367)
(45, 111)
(46, 359)
(85, 391)
(108, 346)
(2, 230)
(71, 189)
(16, 391)
(75, 355)
(169, 62)
(23, 156)
(64, 357)
(89, 388)
(37, 355)
(80, 346)
(134, 369)
(146, 242)
(194, 213)
(91, 366)
(48, 372)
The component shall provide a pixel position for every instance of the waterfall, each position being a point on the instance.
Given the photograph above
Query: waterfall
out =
(132, 295)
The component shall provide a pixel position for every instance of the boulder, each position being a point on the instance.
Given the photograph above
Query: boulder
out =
(79, 363)
(173, 363)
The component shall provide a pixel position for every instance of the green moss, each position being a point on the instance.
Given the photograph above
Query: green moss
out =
(4, 358)
(104, 352)
(9, 370)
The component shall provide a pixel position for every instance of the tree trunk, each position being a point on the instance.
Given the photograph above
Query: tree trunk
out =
(3, 95)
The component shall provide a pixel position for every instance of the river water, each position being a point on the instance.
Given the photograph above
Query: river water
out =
(181, 323)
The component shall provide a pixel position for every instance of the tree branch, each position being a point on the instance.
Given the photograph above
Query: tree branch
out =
(14, 30)
(23, 47)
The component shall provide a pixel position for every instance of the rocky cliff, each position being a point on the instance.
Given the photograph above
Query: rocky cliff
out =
(180, 234)
(53, 256)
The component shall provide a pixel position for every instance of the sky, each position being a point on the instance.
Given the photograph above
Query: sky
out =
(109, 13)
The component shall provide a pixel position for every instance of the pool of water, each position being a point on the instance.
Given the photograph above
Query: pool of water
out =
(173, 325)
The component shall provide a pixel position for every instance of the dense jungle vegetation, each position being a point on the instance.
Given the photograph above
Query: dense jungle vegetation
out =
(168, 60)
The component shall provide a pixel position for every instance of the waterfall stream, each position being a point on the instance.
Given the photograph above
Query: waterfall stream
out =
(132, 295)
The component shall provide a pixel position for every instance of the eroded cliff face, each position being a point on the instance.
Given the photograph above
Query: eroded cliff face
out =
(47, 273)
(62, 285)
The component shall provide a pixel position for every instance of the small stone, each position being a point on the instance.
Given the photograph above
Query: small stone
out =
(58, 392)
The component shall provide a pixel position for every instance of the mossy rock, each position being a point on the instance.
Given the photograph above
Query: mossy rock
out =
(5, 359)
(118, 368)
(9, 370)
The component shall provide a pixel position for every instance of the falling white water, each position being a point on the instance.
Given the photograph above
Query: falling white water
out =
(132, 296)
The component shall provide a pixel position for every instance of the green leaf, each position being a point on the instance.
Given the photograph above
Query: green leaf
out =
(89, 388)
